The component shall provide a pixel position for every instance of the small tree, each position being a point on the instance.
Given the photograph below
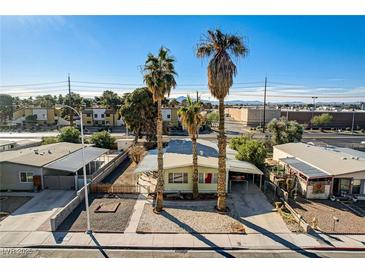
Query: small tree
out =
(252, 151)
(136, 153)
(283, 131)
(103, 139)
(236, 142)
(321, 120)
(212, 117)
(70, 135)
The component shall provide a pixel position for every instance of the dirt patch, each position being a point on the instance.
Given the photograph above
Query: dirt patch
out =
(325, 211)
(102, 222)
(8, 204)
(122, 174)
(191, 219)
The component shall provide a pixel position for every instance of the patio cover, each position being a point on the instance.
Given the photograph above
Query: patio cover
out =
(304, 168)
(73, 161)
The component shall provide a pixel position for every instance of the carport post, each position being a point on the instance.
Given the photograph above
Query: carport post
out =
(260, 181)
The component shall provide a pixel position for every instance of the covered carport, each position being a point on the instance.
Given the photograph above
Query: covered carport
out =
(66, 172)
(242, 172)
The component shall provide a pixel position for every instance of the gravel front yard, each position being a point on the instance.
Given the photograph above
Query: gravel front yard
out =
(101, 222)
(196, 218)
(324, 211)
(8, 204)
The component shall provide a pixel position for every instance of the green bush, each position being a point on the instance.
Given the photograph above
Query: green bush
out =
(49, 140)
(103, 139)
(70, 135)
(252, 151)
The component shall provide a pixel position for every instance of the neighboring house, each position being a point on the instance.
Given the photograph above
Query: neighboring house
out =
(53, 166)
(170, 117)
(178, 166)
(252, 116)
(7, 145)
(323, 171)
(98, 117)
(40, 116)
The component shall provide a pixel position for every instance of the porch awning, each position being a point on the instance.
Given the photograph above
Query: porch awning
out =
(243, 167)
(304, 168)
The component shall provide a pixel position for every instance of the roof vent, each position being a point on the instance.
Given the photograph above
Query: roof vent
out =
(344, 158)
(49, 151)
(36, 151)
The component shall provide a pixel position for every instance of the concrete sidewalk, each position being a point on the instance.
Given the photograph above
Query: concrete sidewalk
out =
(255, 241)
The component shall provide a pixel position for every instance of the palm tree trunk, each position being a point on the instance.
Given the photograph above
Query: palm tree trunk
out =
(160, 181)
(195, 168)
(221, 186)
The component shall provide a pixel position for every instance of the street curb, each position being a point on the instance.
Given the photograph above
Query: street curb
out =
(113, 247)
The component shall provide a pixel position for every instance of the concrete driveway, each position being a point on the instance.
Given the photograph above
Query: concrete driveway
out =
(254, 210)
(33, 215)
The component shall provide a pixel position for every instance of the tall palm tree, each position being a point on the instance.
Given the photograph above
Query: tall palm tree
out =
(221, 70)
(159, 76)
(192, 120)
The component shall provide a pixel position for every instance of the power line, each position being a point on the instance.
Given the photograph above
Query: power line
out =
(34, 84)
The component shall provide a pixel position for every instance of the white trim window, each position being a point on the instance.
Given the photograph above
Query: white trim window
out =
(178, 178)
(26, 177)
(208, 178)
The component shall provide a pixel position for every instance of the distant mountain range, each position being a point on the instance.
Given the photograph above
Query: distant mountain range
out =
(238, 102)
(260, 103)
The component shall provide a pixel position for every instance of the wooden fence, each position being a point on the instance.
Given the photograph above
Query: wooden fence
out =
(114, 189)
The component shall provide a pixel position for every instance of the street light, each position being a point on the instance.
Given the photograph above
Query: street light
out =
(79, 113)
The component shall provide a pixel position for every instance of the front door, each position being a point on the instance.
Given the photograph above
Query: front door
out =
(341, 186)
(335, 190)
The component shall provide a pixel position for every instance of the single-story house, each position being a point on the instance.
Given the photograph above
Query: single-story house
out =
(178, 167)
(7, 145)
(323, 171)
(53, 166)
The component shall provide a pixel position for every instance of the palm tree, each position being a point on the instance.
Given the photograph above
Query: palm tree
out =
(221, 70)
(192, 120)
(159, 76)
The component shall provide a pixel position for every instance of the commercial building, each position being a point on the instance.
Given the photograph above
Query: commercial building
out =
(252, 116)
(323, 171)
(341, 119)
(53, 166)
(178, 167)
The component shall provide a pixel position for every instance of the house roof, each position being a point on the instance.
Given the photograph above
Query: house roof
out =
(178, 153)
(73, 162)
(6, 142)
(40, 155)
(330, 160)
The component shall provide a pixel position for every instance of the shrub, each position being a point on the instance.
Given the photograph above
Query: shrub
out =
(252, 151)
(136, 153)
(49, 140)
(103, 139)
(70, 135)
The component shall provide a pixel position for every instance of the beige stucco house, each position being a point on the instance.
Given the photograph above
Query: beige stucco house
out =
(324, 171)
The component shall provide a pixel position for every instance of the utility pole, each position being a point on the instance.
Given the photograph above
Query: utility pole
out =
(313, 109)
(353, 120)
(197, 96)
(70, 103)
(264, 121)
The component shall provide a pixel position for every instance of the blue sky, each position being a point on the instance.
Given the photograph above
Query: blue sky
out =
(302, 56)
